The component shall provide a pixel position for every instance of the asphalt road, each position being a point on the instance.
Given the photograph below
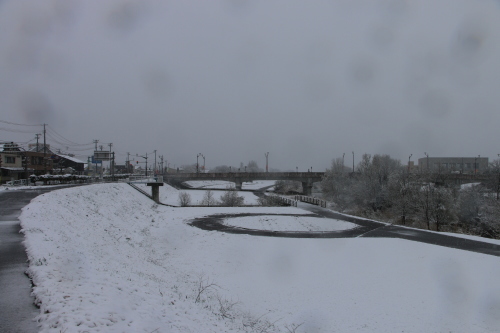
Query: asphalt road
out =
(17, 309)
(412, 234)
(366, 228)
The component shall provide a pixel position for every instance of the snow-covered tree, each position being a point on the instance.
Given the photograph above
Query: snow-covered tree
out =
(253, 167)
(402, 192)
(230, 198)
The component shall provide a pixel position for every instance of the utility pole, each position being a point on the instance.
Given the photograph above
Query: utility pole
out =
(427, 157)
(111, 164)
(154, 167)
(162, 170)
(101, 147)
(128, 163)
(37, 136)
(267, 161)
(95, 170)
(113, 167)
(203, 163)
(44, 150)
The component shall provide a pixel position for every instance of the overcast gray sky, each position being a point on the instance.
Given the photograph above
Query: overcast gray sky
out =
(305, 81)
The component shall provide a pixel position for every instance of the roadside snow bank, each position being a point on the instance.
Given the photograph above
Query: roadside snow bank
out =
(102, 258)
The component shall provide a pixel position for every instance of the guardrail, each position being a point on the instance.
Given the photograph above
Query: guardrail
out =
(284, 200)
(311, 200)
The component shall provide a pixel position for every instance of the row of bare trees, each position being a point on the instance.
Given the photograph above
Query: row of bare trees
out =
(382, 188)
(230, 198)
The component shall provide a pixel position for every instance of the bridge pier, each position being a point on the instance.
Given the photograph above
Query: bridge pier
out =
(155, 191)
(307, 187)
(238, 183)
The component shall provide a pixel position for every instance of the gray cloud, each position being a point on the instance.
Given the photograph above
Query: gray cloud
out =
(306, 81)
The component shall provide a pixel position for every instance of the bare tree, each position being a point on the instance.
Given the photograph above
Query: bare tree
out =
(184, 199)
(208, 199)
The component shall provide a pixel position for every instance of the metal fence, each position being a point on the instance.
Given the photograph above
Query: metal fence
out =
(311, 200)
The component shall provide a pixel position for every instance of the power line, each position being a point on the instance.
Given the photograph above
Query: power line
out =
(70, 143)
(15, 130)
(17, 124)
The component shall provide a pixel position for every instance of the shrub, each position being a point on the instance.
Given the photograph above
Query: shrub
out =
(184, 199)
(230, 198)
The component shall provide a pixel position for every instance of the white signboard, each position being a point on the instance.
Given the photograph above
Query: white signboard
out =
(102, 155)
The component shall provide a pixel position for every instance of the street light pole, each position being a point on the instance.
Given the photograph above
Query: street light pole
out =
(154, 167)
(197, 164)
(409, 158)
(427, 156)
(343, 154)
(267, 161)
(352, 162)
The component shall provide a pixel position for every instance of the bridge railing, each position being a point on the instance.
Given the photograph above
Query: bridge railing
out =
(284, 200)
(249, 175)
(311, 200)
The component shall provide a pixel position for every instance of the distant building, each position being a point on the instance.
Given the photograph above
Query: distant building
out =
(36, 161)
(453, 164)
(63, 162)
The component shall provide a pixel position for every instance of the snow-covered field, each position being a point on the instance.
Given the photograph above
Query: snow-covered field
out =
(214, 184)
(170, 195)
(104, 258)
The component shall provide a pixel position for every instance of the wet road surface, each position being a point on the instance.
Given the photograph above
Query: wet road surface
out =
(366, 228)
(17, 309)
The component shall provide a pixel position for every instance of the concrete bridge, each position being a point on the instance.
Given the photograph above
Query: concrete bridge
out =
(306, 178)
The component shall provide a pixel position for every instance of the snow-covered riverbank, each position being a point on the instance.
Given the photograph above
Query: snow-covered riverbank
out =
(105, 258)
